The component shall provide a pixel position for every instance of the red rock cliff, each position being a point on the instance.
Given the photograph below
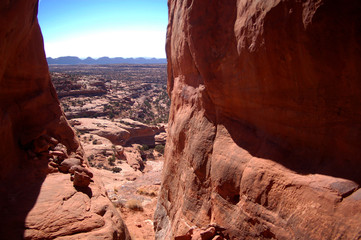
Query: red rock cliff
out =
(34, 202)
(265, 122)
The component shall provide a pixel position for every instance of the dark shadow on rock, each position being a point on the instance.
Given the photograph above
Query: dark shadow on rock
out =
(143, 140)
(301, 160)
(86, 190)
(312, 130)
(18, 195)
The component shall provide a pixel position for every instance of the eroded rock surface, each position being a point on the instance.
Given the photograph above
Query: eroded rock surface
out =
(264, 130)
(65, 212)
(36, 141)
(119, 131)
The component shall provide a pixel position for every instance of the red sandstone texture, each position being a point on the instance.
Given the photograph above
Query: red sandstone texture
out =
(265, 122)
(36, 141)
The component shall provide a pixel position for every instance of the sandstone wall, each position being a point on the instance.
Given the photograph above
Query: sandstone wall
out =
(264, 129)
(35, 204)
(28, 101)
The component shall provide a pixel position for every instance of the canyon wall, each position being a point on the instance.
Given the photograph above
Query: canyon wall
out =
(265, 122)
(36, 201)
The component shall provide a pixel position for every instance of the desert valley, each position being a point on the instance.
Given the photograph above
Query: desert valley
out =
(120, 114)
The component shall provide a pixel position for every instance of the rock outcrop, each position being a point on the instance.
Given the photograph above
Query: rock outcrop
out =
(122, 132)
(36, 141)
(264, 131)
(100, 138)
(102, 127)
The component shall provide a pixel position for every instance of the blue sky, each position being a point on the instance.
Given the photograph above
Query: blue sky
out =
(97, 28)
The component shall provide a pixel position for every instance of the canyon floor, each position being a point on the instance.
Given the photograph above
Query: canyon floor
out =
(119, 113)
(138, 92)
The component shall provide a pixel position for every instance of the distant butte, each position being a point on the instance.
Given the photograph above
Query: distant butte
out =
(104, 60)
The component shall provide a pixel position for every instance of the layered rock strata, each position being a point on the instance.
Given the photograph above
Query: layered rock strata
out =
(264, 130)
(36, 141)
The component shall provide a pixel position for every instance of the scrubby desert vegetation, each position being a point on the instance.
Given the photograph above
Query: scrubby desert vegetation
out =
(137, 92)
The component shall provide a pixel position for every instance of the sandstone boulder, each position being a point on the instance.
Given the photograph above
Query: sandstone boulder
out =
(81, 169)
(68, 163)
(81, 179)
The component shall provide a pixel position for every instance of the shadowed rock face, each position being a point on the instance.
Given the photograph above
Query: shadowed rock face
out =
(28, 102)
(36, 203)
(264, 128)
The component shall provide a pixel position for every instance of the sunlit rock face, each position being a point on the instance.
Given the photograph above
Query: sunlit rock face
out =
(36, 201)
(265, 122)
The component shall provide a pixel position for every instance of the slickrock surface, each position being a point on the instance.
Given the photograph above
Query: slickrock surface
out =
(64, 212)
(119, 131)
(264, 131)
(36, 141)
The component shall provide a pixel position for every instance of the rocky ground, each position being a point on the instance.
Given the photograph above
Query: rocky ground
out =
(131, 172)
(134, 194)
(103, 104)
(113, 91)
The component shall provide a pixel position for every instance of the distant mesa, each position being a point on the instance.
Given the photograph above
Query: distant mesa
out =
(104, 60)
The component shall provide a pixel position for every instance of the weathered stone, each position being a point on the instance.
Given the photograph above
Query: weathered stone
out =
(65, 213)
(81, 179)
(104, 128)
(80, 169)
(264, 127)
(61, 148)
(208, 234)
(68, 163)
(134, 159)
(119, 133)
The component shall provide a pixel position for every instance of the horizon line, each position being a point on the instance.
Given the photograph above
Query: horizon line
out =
(96, 58)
